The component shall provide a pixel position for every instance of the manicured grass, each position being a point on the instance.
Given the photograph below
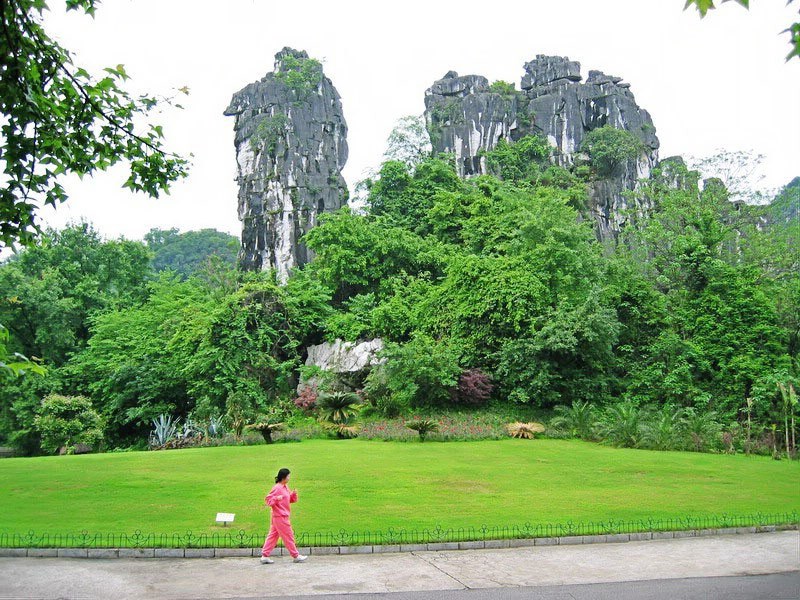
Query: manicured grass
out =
(373, 486)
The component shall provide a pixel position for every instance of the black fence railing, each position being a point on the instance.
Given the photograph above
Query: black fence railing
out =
(244, 539)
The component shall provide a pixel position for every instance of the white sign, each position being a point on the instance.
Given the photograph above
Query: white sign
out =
(225, 518)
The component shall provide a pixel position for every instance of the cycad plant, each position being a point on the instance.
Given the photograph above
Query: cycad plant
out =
(662, 430)
(579, 419)
(336, 409)
(621, 425)
(423, 427)
(525, 431)
(702, 429)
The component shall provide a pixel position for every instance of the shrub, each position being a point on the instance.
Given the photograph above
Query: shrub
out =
(524, 430)
(421, 372)
(662, 431)
(239, 409)
(423, 427)
(621, 425)
(474, 388)
(266, 429)
(609, 148)
(579, 419)
(307, 399)
(702, 431)
(502, 87)
(341, 430)
(64, 421)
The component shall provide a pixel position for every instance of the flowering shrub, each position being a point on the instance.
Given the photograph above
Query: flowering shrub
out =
(307, 399)
(466, 427)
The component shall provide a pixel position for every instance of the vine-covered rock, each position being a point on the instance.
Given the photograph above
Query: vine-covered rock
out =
(291, 146)
(465, 116)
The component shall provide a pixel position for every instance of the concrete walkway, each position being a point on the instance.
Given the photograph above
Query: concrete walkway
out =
(712, 556)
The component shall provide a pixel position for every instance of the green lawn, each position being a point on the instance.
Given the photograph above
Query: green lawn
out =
(373, 486)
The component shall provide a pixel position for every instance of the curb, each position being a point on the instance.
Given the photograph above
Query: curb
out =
(106, 553)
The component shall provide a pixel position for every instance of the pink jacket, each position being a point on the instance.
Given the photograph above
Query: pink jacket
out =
(279, 498)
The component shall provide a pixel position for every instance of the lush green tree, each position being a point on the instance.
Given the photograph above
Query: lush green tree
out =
(50, 290)
(357, 254)
(420, 372)
(66, 421)
(188, 253)
(610, 148)
(133, 365)
(721, 333)
(59, 119)
(403, 194)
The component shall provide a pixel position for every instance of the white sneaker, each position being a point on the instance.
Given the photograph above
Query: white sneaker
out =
(266, 560)
(300, 558)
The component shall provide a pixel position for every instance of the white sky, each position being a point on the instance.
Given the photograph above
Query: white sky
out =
(717, 83)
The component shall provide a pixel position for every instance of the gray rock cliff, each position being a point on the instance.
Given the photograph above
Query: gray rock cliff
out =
(465, 115)
(291, 145)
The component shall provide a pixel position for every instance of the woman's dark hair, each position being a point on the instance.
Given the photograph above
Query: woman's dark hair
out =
(282, 474)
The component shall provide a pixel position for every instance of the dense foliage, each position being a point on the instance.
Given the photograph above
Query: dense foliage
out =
(488, 291)
(58, 118)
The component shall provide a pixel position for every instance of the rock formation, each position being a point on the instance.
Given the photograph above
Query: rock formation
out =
(347, 360)
(290, 149)
(466, 115)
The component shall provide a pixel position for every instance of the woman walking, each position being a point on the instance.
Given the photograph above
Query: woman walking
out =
(279, 499)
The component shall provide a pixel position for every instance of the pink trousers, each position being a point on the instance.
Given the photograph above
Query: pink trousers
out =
(279, 528)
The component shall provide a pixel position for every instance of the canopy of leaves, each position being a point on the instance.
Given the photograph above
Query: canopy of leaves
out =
(189, 252)
(610, 149)
(59, 119)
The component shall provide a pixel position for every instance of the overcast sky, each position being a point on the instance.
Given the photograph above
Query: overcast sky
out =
(717, 83)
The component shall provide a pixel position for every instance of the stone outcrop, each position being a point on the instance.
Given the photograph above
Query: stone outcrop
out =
(466, 115)
(343, 359)
(290, 138)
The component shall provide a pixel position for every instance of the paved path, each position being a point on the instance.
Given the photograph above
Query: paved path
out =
(538, 567)
(781, 586)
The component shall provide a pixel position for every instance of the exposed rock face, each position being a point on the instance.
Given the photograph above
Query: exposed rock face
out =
(290, 149)
(342, 358)
(465, 115)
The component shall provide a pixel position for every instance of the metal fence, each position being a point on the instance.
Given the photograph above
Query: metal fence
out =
(244, 539)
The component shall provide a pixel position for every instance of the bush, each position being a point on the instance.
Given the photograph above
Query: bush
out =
(65, 421)
(702, 431)
(474, 388)
(307, 399)
(621, 425)
(610, 148)
(338, 407)
(662, 431)
(578, 420)
(421, 372)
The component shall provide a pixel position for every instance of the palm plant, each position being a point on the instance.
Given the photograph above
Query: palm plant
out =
(423, 427)
(337, 407)
(702, 429)
(662, 430)
(578, 419)
(266, 429)
(621, 425)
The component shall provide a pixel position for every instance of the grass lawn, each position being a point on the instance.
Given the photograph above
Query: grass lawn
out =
(358, 485)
